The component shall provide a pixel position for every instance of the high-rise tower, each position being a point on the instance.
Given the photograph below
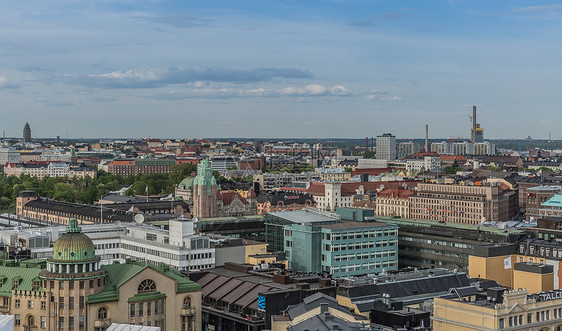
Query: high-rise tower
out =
(204, 191)
(26, 133)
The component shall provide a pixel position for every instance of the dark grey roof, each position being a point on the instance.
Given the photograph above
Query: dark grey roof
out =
(85, 211)
(325, 320)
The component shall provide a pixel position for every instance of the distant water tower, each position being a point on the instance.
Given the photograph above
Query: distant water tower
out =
(26, 133)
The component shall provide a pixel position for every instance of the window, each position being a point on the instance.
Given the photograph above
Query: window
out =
(141, 306)
(102, 313)
(43, 322)
(17, 320)
(187, 303)
(43, 305)
(36, 285)
(71, 285)
(81, 284)
(71, 303)
(148, 308)
(81, 302)
(147, 285)
(132, 308)
(61, 302)
(150, 237)
(30, 304)
(529, 317)
(31, 321)
(17, 303)
(71, 322)
(16, 283)
(81, 321)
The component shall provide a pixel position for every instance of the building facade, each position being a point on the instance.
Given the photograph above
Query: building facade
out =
(204, 191)
(26, 133)
(75, 292)
(386, 147)
(468, 204)
(502, 309)
(394, 203)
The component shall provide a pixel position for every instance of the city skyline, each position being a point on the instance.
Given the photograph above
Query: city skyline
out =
(321, 69)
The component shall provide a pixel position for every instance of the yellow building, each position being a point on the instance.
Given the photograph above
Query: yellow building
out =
(500, 309)
(501, 263)
(75, 292)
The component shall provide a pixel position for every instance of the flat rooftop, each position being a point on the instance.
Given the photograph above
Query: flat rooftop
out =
(306, 216)
(353, 225)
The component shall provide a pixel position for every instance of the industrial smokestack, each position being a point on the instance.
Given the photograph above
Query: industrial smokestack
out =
(473, 124)
(372, 144)
(427, 137)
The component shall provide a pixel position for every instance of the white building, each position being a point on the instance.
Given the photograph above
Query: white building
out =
(441, 148)
(485, 148)
(179, 247)
(9, 155)
(386, 147)
(408, 148)
(55, 155)
(220, 163)
(462, 148)
(426, 164)
(372, 164)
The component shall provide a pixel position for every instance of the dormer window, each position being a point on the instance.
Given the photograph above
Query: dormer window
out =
(36, 285)
(16, 284)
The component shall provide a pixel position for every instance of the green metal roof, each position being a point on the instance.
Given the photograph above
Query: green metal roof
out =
(73, 246)
(150, 296)
(186, 183)
(205, 175)
(118, 274)
(26, 277)
(555, 201)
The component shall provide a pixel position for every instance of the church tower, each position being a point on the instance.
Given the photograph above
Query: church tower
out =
(26, 133)
(204, 191)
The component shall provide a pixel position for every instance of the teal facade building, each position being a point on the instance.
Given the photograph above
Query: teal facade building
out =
(321, 242)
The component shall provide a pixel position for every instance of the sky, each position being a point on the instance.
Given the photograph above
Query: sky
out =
(302, 69)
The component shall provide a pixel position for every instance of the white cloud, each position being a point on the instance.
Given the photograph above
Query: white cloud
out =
(310, 90)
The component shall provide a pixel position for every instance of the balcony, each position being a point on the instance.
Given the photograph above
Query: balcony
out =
(190, 311)
(102, 323)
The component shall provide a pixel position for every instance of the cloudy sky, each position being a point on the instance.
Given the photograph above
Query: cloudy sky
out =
(341, 68)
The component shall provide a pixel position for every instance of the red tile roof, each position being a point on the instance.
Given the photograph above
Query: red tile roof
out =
(371, 171)
(396, 193)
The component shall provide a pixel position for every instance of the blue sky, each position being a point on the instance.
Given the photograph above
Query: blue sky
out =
(280, 68)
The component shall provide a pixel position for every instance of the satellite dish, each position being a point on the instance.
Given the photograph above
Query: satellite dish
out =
(139, 218)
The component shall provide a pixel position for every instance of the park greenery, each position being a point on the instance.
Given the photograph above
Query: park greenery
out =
(87, 190)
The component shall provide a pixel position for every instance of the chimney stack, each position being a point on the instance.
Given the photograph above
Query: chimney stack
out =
(427, 137)
(473, 124)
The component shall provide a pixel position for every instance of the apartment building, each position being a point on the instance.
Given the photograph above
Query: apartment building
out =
(133, 167)
(463, 203)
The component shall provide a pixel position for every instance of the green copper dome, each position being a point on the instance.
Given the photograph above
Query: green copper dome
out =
(73, 246)
(187, 183)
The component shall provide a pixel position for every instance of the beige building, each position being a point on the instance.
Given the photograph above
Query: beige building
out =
(467, 204)
(75, 292)
(393, 203)
(500, 309)
(316, 312)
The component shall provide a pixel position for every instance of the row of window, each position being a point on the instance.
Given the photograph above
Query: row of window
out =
(364, 266)
(539, 317)
(364, 256)
(31, 321)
